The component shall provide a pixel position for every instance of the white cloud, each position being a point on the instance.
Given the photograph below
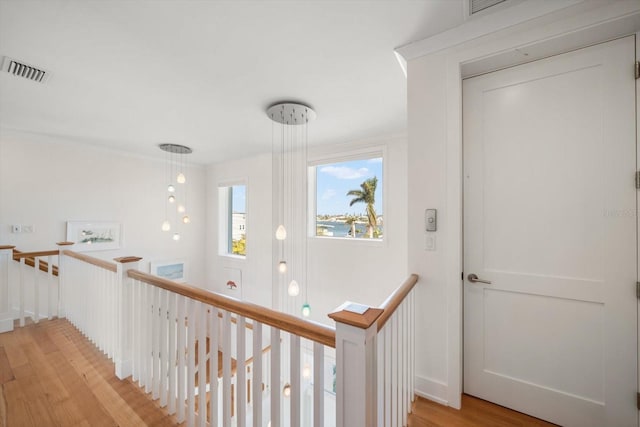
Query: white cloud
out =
(343, 172)
(328, 194)
(376, 160)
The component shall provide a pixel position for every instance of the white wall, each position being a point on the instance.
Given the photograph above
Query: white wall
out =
(359, 270)
(255, 173)
(45, 181)
(435, 164)
(339, 270)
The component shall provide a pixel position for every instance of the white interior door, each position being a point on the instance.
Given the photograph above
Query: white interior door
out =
(549, 220)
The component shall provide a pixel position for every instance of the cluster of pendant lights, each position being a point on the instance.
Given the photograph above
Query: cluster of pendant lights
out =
(176, 199)
(293, 119)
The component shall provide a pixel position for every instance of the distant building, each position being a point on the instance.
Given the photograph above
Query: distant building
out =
(239, 225)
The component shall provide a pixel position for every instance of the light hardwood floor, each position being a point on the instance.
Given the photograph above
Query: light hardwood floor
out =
(474, 413)
(52, 376)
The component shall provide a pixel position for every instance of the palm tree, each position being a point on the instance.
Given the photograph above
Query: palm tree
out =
(351, 220)
(367, 195)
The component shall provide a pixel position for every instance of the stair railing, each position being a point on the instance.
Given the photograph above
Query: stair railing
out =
(177, 340)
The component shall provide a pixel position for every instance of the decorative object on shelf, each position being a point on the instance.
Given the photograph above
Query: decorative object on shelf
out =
(290, 207)
(94, 235)
(176, 176)
(175, 270)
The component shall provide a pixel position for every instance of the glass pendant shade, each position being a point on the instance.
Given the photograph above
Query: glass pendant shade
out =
(186, 219)
(294, 289)
(181, 209)
(286, 390)
(281, 232)
(176, 236)
(282, 266)
(171, 188)
(166, 226)
(306, 371)
(306, 310)
(172, 199)
(181, 179)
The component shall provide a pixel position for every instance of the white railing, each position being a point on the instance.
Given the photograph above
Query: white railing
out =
(212, 360)
(35, 293)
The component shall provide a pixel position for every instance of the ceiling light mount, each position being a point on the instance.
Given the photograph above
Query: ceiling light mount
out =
(291, 113)
(175, 148)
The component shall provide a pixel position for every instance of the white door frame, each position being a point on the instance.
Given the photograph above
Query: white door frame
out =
(568, 33)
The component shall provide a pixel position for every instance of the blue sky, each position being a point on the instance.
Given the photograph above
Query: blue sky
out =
(336, 179)
(239, 198)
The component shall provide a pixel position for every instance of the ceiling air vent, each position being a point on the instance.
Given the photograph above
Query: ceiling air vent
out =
(20, 69)
(476, 6)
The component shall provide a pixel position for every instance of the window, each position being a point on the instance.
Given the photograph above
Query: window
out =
(348, 198)
(233, 220)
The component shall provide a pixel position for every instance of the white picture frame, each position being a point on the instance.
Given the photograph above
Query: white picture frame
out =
(94, 235)
(175, 270)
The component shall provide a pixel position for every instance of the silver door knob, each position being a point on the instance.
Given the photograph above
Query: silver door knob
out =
(474, 279)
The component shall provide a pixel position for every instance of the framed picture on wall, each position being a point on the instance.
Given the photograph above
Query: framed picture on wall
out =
(94, 235)
(175, 270)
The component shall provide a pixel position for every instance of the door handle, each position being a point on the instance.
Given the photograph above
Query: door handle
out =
(474, 279)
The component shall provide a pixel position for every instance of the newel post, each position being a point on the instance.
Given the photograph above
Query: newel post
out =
(123, 357)
(6, 314)
(63, 283)
(356, 383)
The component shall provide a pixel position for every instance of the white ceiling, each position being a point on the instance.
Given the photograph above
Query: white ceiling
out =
(132, 74)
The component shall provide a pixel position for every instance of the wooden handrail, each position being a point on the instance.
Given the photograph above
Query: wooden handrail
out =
(107, 265)
(304, 328)
(31, 261)
(395, 299)
(20, 254)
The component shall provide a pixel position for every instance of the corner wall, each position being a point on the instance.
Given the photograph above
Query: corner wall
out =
(339, 270)
(46, 181)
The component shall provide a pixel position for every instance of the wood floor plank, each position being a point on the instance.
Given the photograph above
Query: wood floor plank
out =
(474, 413)
(52, 375)
(6, 374)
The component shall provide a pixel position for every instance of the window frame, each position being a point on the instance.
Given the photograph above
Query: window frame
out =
(332, 157)
(225, 217)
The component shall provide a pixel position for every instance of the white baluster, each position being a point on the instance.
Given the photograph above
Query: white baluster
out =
(388, 360)
(294, 341)
(164, 351)
(50, 283)
(275, 377)
(394, 371)
(172, 353)
(241, 372)
(213, 365)
(202, 365)
(182, 346)
(257, 374)
(21, 285)
(380, 376)
(318, 385)
(36, 289)
(147, 357)
(226, 369)
(192, 322)
(155, 343)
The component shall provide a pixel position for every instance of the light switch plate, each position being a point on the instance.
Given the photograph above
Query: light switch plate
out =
(431, 219)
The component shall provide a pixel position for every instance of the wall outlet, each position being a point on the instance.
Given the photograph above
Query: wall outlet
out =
(27, 229)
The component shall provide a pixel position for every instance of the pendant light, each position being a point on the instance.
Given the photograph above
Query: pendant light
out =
(290, 177)
(175, 174)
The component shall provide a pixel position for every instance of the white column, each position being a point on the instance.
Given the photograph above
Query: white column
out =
(124, 317)
(356, 370)
(6, 315)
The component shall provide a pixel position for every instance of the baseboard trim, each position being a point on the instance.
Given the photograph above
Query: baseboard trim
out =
(431, 389)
